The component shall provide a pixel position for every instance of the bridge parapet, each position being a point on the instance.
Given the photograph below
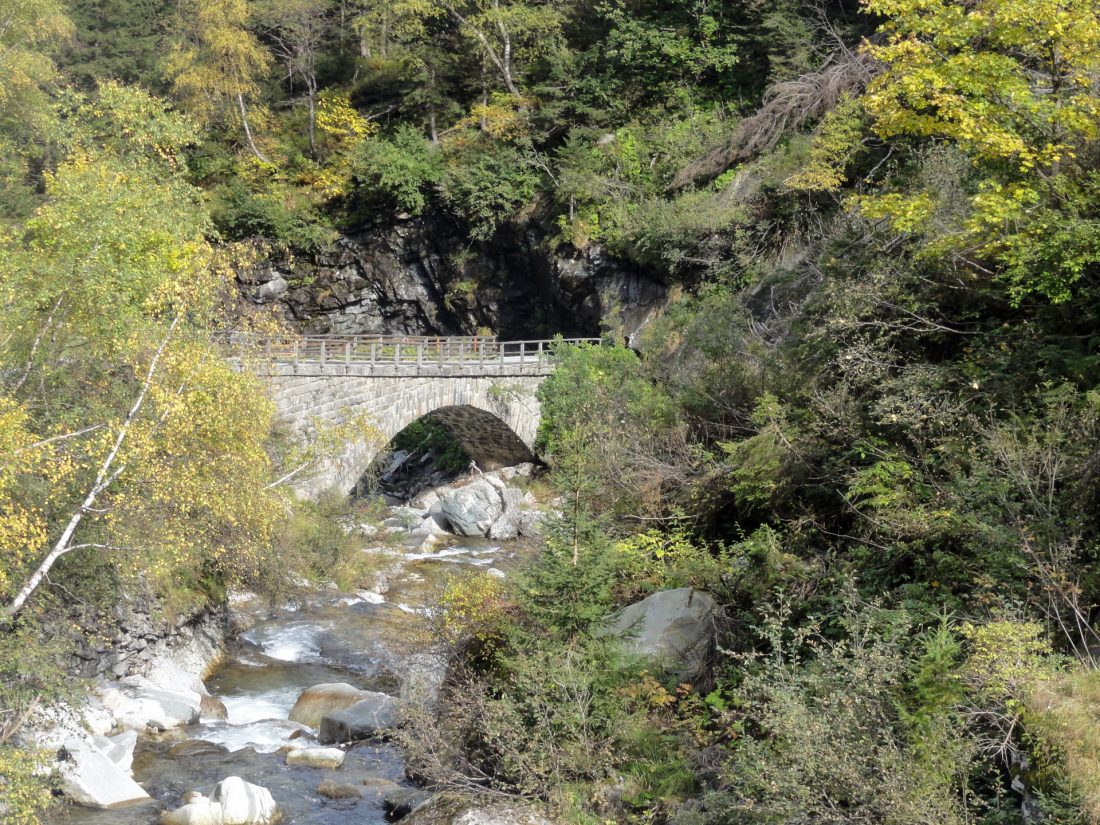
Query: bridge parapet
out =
(395, 356)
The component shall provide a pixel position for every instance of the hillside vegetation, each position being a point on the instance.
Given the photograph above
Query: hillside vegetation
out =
(868, 424)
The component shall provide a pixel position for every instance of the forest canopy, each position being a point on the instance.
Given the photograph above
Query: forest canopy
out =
(866, 421)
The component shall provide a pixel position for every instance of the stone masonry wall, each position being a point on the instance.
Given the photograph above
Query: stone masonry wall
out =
(494, 418)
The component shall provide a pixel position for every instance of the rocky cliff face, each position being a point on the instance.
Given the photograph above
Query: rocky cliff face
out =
(424, 276)
(134, 634)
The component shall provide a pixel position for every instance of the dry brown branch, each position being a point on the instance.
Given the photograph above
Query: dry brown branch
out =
(788, 106)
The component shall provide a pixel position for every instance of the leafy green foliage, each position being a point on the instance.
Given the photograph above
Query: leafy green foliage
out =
(404, 168)
(971, 78)
(487, 184)
(608, 429)
(824, 733)
(426, 434)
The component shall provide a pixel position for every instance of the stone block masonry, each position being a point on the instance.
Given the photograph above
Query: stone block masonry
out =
(494, 417)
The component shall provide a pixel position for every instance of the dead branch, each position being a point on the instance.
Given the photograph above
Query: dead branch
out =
(788, 106)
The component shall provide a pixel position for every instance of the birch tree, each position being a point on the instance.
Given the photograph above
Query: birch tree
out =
(216, 63)
(123, 432)
(504, 32)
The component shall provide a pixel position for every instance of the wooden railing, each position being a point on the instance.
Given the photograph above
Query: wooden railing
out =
(394, 355)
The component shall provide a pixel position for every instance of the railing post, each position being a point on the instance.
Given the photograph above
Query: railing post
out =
(324, 352)
(397, 352)
(419, 357)
(347, 355)
(296, 345)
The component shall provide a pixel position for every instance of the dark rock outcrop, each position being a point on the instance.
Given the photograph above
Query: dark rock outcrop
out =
(127, 638)
(424, 276)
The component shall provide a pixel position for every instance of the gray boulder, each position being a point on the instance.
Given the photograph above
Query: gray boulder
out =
(473, 509)
(243, 803)
(426, 500)
(92, 778)
(266, 293)
(314, 702)
(119, 749)
(137, 703)
(330, 758)
(399, 802)
(370, 717)
(525, 470)
(530, 523)
(507, 526)
(196, 810)
(675, 628)
(449, 810)
(434, 525)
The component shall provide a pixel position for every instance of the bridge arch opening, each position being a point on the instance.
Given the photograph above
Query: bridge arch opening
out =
(439, 447)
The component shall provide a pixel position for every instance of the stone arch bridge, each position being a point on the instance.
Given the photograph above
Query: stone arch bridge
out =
(365, 390)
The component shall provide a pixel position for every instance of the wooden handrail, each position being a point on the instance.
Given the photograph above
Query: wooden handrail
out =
(411, 354)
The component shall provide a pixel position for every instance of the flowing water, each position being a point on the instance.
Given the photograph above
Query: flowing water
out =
(365, 639)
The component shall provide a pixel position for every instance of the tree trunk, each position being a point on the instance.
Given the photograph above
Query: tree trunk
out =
(248, 129)
(506, 58)
(311, 94)
(487, 47)
(106, 476)
(484, 99)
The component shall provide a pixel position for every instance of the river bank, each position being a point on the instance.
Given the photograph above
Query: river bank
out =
(369, 639)
(175, 709)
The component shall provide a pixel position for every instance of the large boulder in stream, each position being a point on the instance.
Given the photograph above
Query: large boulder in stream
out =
(484, 507)
(506, 527)
(675, 628)
(138, 704)
(244, 803)
(326, 758)
(198, 811)
(374, 715)
(95, 777)
(314, 702)
(233, 802)
(472, 510)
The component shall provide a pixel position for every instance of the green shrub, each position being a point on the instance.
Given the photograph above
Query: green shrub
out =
(403, 169)
(320, 542)
(824, 734)
(428, 434)
(488, 183)
(278, 211)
